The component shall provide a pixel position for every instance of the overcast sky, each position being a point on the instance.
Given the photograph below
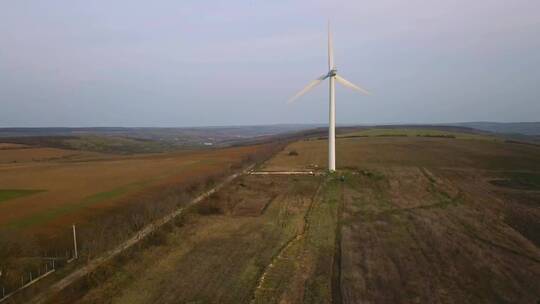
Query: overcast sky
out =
(196, 63)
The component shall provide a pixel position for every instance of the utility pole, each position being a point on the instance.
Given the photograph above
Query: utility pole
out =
(75, 253)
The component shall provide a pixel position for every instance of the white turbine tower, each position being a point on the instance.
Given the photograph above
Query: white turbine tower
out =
(332, 75)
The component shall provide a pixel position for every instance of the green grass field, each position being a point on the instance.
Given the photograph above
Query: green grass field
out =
(420, 132)
(8, 194)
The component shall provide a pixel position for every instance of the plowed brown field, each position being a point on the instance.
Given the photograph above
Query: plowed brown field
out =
(77, 185)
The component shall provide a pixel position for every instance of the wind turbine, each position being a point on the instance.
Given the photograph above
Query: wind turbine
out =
(332, 76)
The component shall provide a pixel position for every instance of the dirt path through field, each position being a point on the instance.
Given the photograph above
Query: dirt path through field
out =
(264, 292)
(304, 269)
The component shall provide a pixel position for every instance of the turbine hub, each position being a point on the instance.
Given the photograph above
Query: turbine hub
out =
(332, 73)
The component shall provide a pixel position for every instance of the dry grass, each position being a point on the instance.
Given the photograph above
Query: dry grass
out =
(213, 258)
(447, 246)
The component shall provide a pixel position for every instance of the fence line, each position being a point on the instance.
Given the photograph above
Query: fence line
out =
(70, 257)
(29, 283)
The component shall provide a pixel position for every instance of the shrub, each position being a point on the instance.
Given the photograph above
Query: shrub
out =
(157, 238)
(180, 220)
(208, 208)
(293, 153)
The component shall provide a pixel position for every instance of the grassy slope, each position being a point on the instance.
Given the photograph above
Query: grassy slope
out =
(116, 144)
(95, 143)
(418, 133)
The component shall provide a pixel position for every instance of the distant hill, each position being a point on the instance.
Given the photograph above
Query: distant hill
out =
(149, 140)
(161, 133)
(127, 140)
(524, 128)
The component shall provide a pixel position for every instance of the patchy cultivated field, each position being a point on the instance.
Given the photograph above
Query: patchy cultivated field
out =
(46, 189)
(407, 219)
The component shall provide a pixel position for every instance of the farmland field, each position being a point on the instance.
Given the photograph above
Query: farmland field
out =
(46, 189)
(406, 219)
(386, 149)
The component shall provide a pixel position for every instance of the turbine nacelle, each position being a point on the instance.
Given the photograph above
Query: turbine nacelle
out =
(332, 72)
(338, 78)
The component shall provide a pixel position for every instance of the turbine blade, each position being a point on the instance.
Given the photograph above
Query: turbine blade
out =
(351, 85)
(310, 86)
(330, 49)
